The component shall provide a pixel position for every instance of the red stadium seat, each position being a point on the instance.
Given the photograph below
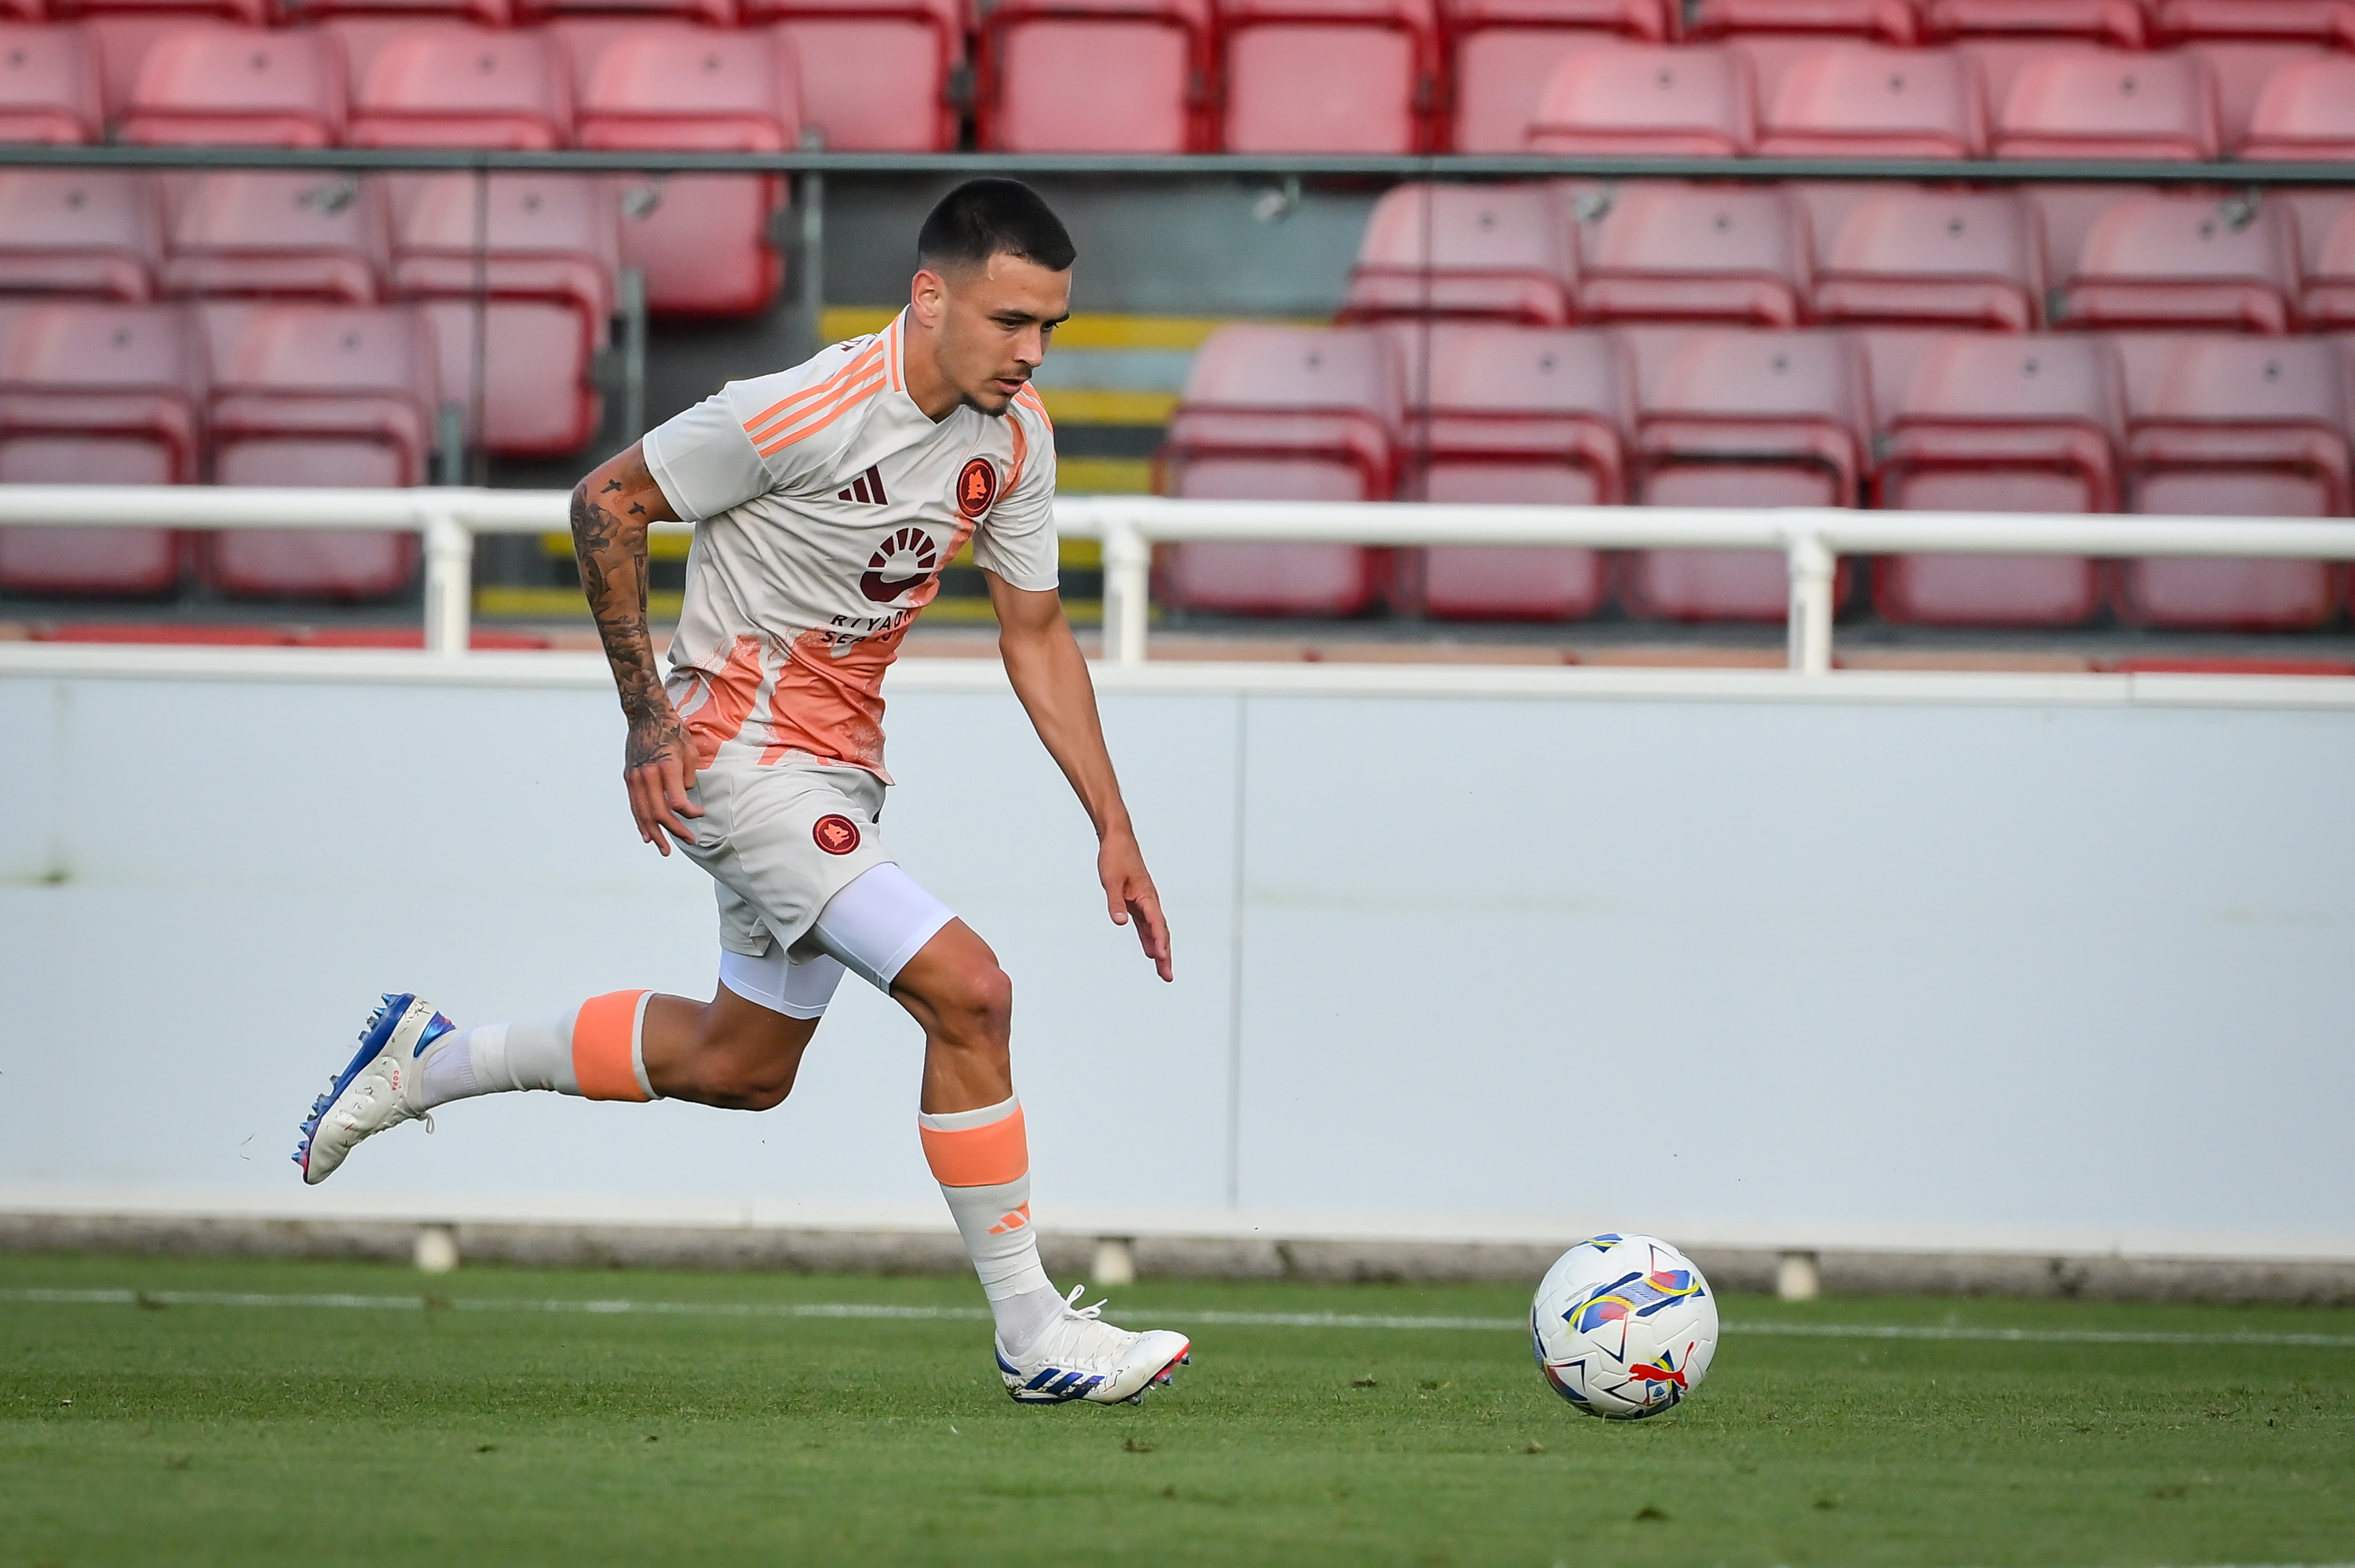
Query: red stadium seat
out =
(2306, 111)
(715, 13)
(1891, 21)
(48, 85)
(120, 43)
(444, 85)
(2184, 262)
(277, 232)
(1502, 252)
(1520, 416)
(317, 394)
(2314, 21)
(237, 86)
(1637, 100)
(253, 13)
(2239, 70)
(1669, 252)
(96, 395)
(2234, 427)
(1329, 76)
(1744, 418)
(2089, 104)
(1503, 52)
(547, 281)
(489, 13)
(2330, 299)
(669, 86)
(1927, 258)
(875, 73)
(79, 231)
(2000, 424)
(1277, 413)
(1096, 76)
(1856, 101)
(701, 241)
(2123, 23)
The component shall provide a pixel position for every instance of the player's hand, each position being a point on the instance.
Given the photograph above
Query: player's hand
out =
(1130, 894)
(658, 768)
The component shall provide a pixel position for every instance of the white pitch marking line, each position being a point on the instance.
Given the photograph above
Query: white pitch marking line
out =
(1237, 1319)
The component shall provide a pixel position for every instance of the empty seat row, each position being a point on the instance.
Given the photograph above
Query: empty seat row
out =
(2127, 22)
(237, 393)
(864, 81)
(702, 242)
(1548, 253)
(1268, 76)
(1975, 422)
(1853, 100)
(515, 273)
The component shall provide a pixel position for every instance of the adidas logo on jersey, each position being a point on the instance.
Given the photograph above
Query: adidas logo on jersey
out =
(867, 487)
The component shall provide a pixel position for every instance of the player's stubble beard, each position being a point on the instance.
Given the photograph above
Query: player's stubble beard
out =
(980, 392)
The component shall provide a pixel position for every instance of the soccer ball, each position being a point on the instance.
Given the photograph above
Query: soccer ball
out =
(1623, 1326)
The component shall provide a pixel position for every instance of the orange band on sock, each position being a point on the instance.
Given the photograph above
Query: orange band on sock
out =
(978, 1155)
(604, 1047)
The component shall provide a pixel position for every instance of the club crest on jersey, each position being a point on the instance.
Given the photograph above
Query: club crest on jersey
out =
(977, 487)
(835, 834)
(898, 564)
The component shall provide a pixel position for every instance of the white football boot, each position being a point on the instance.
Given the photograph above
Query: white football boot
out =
(1081, 1356)
(379, 1090)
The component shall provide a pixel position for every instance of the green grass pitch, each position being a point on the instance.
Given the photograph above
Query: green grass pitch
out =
(498, 1423)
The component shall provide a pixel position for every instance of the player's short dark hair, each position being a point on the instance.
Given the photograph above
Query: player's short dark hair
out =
(982, 218)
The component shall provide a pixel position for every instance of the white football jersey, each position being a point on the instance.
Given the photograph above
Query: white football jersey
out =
(826, 503)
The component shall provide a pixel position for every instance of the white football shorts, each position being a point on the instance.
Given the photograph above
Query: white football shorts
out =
(871, 928)
(805, 888)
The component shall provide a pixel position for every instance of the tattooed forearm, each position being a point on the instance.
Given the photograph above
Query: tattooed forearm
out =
(613, 556)
(611, 512)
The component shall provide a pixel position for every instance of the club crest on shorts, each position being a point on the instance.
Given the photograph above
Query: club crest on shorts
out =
(835, 834)
(977, 487)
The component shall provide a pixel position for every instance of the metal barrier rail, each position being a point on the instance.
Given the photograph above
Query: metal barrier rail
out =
(1810, 539)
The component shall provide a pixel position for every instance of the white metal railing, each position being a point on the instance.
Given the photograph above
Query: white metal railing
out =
(1810, 539)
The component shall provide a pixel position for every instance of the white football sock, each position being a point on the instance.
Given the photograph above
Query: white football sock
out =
(496, 1058)
(966, 1150)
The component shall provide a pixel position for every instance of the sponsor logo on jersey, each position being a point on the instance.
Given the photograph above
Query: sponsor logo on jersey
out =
(835, 834)
(868, 487)
(898, 564)
(977, 487)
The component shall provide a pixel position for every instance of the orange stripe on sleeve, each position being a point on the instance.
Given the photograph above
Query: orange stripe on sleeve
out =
(979, 1156)
(858, 394)
(848, 373)
(605, 1046)
(1021, 453)
(844, 386)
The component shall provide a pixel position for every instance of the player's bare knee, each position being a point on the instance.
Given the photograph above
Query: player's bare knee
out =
(977, 1007)
(742, 1067)
(747, 1083)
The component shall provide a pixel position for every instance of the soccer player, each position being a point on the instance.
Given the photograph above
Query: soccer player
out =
(828, 498)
